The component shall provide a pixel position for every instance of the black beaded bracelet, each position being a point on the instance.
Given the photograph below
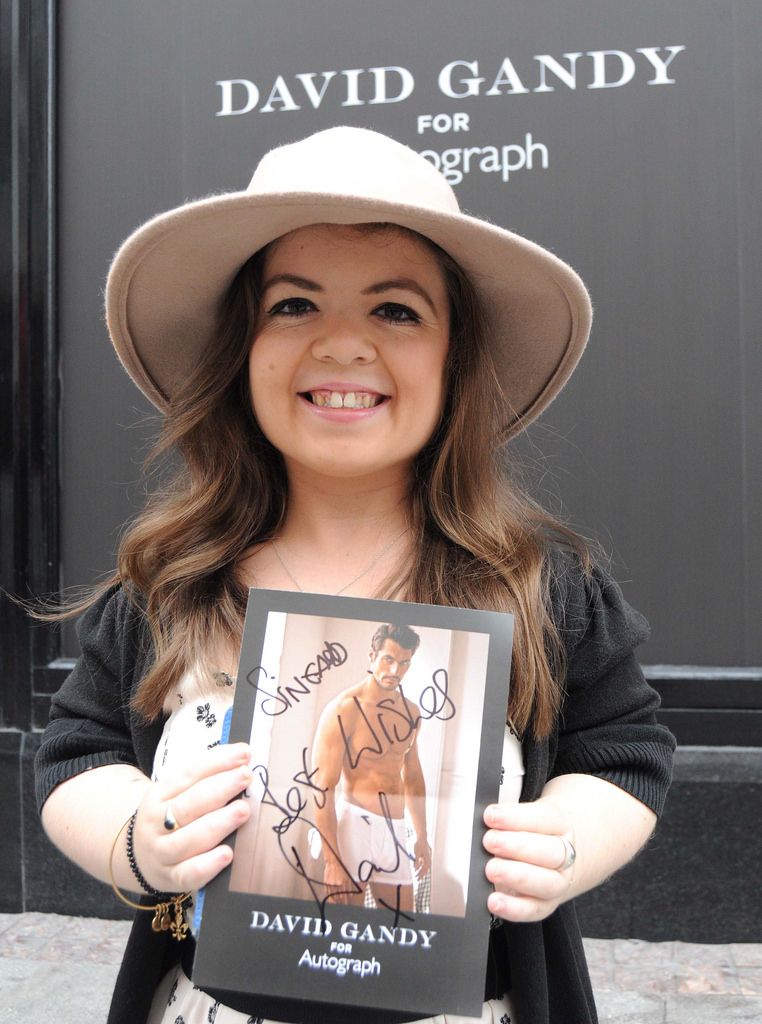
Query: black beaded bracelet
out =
(134, 864)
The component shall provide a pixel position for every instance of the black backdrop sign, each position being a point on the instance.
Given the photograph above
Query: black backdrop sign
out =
(625, 137)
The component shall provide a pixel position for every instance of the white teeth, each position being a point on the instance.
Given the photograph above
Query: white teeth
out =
(349, 400)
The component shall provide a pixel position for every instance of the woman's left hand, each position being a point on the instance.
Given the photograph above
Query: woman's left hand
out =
(528, 857)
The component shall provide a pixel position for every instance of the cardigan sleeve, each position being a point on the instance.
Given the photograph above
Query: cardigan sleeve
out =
(90, 722)
(608, 724)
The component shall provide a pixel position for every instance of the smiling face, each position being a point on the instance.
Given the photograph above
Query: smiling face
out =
(389, 664)
(347, 367)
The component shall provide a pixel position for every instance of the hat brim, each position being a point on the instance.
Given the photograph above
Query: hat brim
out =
(166, 282)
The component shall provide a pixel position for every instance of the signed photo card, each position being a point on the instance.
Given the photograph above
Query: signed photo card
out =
(361, 777)
(377, 732)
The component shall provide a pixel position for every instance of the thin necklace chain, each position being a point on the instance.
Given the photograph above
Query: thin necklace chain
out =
(359, 576)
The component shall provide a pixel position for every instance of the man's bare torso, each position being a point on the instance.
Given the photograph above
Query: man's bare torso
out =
(377, 733)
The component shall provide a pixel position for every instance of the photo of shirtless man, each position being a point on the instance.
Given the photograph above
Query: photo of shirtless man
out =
(365, 757)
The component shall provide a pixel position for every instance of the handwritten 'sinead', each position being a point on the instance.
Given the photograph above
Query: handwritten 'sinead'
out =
(285, 697)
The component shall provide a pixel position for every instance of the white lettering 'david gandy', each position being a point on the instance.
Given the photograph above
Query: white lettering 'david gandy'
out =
(462, 78)
(322, 927)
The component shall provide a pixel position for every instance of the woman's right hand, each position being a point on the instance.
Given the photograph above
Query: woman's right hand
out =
(206, 799)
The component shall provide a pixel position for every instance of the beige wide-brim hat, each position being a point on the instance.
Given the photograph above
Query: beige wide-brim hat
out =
(167, 279)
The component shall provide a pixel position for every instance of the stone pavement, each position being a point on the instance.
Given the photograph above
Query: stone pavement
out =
(61, 969)
(675, 982)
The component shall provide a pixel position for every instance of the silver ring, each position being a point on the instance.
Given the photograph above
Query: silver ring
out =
(170, 821)
(570, 855)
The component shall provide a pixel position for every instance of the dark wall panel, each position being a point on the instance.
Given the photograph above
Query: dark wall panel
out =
(650, 190)
(679, 887)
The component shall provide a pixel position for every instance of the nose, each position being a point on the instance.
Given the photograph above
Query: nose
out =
(344, 342)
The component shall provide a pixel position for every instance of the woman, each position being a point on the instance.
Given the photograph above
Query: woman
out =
(339, 354)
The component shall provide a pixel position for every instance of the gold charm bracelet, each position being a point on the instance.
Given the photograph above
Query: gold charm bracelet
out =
(168, 915)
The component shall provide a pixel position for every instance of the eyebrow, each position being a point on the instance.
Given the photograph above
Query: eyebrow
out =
(405, 283)
(299, 282)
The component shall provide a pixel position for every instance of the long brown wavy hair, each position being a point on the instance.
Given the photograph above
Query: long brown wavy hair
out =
(479, 540)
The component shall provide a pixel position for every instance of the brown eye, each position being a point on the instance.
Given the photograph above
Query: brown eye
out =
(293, 307)
(397, 313)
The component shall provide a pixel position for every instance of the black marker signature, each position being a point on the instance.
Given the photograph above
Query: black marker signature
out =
(295, 803)
(397, 910)
(435, 703)
(292, 810)
(304, 778)
(332, 655)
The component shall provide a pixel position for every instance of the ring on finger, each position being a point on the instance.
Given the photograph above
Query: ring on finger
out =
(570, 855)
(170, 821)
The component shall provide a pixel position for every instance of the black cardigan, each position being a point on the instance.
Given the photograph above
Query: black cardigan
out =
(607, 728)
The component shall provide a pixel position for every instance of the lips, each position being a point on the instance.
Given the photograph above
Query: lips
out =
(356, 399)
